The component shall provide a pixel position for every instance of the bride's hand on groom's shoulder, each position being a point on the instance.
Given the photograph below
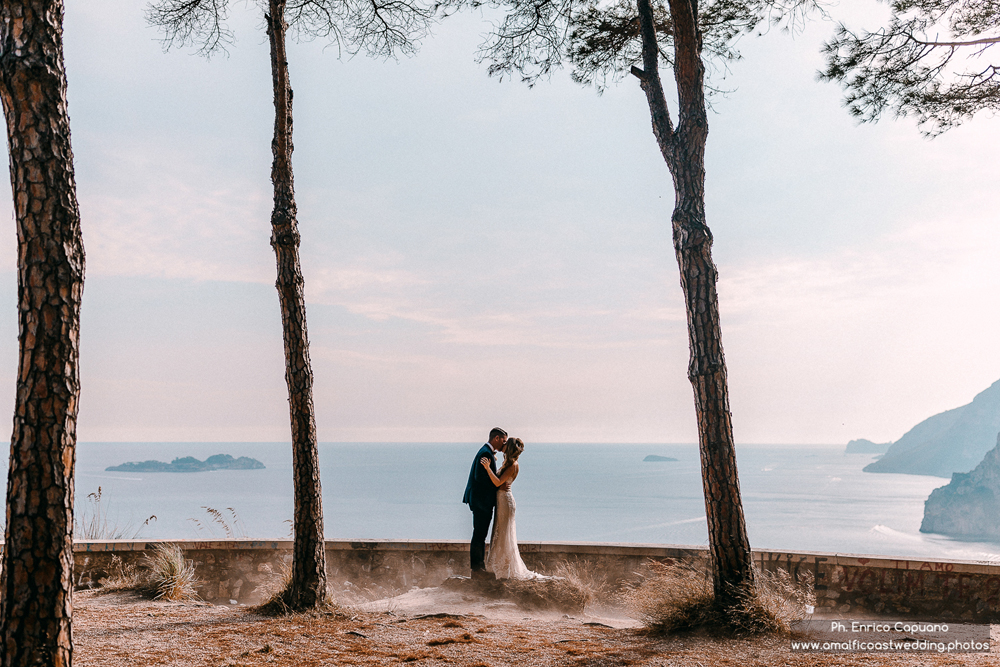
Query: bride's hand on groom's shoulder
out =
(485, 461)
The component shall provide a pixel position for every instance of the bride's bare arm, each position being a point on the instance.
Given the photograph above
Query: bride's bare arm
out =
(506, 478)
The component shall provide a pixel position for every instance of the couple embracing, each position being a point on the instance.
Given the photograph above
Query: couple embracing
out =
(489, 489)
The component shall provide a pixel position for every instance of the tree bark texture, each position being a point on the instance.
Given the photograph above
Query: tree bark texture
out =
(308, 583)
(683, 150)
(36, 592)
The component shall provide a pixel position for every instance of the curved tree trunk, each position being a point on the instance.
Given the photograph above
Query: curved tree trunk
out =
(683, 150)
(36, 592)
(308, 584)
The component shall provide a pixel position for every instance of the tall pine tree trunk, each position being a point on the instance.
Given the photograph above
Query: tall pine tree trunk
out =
(308, 583)
(683, 150)
(36, 593)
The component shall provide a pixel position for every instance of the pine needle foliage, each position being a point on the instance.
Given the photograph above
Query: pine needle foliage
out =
(599, 41)
(935, 61)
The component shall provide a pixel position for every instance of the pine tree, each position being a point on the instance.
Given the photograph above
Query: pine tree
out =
(380, 27)
(37, 580)
(604, 42)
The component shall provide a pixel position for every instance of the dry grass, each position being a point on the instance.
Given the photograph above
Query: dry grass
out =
(94, 521)
(555, 594)
(679, 596)
(586, 577)
(121, 577)
(169, 576)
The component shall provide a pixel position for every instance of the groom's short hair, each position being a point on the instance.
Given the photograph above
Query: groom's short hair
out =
(497, 431)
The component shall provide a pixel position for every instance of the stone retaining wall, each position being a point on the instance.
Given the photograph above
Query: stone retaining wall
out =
(849, 585)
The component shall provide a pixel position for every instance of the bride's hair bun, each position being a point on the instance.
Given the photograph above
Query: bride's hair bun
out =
(513, 448)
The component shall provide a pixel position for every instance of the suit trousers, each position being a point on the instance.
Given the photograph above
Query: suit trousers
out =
(480, 528)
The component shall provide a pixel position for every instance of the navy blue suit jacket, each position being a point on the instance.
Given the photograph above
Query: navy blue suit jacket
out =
(480, 493)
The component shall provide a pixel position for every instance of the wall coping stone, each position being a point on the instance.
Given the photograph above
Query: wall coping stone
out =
(582, 548)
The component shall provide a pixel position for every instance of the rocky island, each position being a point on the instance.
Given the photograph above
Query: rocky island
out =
(949, 442)
(969, 505)
(656, 458)
(191, 464)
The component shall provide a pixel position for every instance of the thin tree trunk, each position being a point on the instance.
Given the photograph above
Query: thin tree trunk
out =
(683, 150)
(36, 593)
(308, 584)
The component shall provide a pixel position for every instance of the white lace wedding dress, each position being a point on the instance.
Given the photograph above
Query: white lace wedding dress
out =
(504, 559)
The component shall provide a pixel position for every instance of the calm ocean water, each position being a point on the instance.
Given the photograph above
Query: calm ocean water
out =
(795, 497)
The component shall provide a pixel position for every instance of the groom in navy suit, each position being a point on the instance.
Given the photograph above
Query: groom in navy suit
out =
(481, 497)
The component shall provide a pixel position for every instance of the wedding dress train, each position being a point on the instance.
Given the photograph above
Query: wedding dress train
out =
(504, 559)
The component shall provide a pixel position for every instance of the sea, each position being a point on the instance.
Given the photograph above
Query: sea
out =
(795, 497)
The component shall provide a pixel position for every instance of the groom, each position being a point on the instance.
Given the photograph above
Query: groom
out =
(481, 497)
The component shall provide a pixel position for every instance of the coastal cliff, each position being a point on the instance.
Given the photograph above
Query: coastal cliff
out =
(949, 442)
(969, 505)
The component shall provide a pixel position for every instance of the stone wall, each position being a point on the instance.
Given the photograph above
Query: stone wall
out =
(849, 585)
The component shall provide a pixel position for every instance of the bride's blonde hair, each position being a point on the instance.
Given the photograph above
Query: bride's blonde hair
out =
(511, 451)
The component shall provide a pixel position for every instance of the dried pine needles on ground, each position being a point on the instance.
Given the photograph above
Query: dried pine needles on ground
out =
(116, 630)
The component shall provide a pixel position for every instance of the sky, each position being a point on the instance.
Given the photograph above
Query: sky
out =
(478, 253)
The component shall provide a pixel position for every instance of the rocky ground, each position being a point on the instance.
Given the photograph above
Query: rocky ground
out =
(423, 627)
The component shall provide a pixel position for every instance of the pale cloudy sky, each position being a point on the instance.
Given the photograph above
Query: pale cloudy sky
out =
(479, 253)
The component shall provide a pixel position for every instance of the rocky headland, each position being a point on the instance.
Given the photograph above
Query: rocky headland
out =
(862, 446)
(969, 505)
(949, 442)
(191, 464)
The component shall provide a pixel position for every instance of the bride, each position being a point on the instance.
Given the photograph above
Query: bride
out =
(504, 559)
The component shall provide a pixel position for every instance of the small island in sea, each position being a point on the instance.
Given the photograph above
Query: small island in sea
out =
(191, 464)
(655, 458)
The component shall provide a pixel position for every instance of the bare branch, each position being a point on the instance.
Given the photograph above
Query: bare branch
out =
(199, 23)
(381, 28)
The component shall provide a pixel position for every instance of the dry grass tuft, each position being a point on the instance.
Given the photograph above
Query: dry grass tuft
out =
(587, 578)
(773, 603)
(554, 593)
(674, 597)
(678, 597)
(169, 576)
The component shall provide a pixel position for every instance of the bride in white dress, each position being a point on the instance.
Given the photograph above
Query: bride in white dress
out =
(504, 559)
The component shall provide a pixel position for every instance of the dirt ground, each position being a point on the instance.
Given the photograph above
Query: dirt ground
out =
(428, 627)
